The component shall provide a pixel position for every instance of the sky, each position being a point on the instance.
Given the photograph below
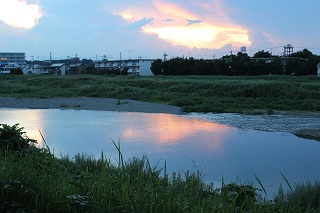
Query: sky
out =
(114, 29)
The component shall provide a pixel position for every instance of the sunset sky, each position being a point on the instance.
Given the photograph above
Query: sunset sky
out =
(149, 28)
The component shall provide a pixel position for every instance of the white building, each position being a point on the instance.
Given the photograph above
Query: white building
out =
(12, 57)
(8, 67)
(35, 69)
(134, 66)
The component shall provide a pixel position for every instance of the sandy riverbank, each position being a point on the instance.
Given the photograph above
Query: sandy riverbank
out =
(86, 103)
(303, 124)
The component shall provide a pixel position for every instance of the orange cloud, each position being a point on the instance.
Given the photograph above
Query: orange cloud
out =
(209, 28)
(19, 14)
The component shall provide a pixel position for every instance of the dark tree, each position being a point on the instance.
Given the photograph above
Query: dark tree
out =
(303, 54)
(156, 67)
(262, 54)
(16, 71)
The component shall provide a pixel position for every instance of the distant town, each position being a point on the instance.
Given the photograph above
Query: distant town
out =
(262, 63)
(12, 62)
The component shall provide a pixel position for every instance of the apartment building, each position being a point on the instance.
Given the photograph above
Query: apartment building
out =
(12, 57)
(134, 66)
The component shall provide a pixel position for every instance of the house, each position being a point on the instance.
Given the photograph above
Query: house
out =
(77, 68)
(38, 69)
(133, 66)
(8, 67)
(59, 69)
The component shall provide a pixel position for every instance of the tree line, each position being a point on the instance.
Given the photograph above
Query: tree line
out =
(262, 63)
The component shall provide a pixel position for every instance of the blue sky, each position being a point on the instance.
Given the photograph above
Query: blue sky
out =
(148, 28)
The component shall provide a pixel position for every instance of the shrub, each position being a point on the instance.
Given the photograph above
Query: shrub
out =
(13, 138)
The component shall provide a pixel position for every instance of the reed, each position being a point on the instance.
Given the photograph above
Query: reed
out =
(192, 93)
(40, 182)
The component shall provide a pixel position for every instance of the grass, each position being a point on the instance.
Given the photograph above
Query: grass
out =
(192, 93)
(43, 183)
(33, 180)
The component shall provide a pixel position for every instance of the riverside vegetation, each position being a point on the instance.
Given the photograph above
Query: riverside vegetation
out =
(34, 180)
(191, 93)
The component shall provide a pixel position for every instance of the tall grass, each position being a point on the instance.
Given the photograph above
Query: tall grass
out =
(192, 93)
(36, 181)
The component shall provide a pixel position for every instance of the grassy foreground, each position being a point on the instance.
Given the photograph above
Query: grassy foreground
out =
(192, 93)
(33, 180)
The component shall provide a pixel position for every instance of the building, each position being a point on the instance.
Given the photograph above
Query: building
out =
(319, 70)
(59, 69)
(77, 68)
(12, 57)
(133, 66)
(36, 69)
(8, 67)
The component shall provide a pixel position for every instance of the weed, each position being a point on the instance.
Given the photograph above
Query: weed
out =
(192, 93)
(119, 102)
(41, 182)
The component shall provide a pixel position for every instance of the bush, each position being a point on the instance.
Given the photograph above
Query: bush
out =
(13, 138)
(16, 71)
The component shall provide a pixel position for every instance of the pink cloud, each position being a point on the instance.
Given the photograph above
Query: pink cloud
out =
(212, 28)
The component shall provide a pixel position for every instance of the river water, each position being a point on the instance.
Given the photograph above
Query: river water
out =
(219, 152)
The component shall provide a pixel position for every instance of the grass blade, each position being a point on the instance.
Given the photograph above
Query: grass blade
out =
(44, 140)
(286, 181)
(264, 190)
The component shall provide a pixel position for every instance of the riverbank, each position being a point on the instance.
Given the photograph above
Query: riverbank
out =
(302, 124)
(87, 103)
(218, 94)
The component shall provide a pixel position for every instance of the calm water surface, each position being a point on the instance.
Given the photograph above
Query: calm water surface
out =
(186, 144)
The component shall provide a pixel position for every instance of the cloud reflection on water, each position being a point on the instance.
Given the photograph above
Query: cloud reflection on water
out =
(167, 129)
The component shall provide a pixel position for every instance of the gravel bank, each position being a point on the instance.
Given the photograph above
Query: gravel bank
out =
(84, 103)
(302, 124)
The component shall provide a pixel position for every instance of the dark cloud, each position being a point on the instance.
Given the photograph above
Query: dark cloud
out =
(190, 22)
(168, 20)
(138, 24)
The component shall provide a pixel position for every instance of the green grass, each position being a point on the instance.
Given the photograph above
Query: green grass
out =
(192, 93)
(34, 180)
(43, 183)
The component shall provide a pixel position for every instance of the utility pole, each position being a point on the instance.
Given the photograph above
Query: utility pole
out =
(165, 57)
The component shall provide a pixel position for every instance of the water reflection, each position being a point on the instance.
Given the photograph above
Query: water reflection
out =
(31, 120)
(167, 129)
(184, 143)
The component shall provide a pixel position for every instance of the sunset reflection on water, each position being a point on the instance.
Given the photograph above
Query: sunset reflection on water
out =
(31, 120)
(186, 144)
(167, 129)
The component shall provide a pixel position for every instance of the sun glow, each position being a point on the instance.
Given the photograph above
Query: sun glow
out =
(19, 14)
(202, 26)
(200, 36)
